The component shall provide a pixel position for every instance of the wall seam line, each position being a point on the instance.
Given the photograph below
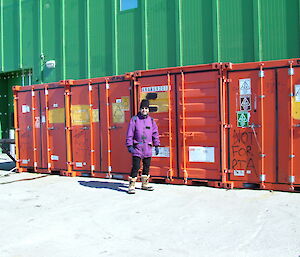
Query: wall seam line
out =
(21, 34)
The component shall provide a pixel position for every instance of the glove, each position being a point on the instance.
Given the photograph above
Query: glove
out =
(156, 150)
(130, 149)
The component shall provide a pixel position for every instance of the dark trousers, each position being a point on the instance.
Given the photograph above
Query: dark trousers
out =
(136, 164)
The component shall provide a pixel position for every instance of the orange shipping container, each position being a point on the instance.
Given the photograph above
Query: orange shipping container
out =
(223, 125)
(263, 116)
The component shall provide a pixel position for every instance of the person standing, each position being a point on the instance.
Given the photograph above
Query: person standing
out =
(142, 135)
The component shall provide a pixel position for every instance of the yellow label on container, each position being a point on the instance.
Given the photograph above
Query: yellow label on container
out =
(161, 101)
(118, 113)
(95, 115)
(296, 109)
(57, 115)
(80, 115)
(125, 103)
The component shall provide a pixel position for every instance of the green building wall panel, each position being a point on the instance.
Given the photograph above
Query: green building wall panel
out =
(90, 38)
(101, 33)
(280, 29)
(30, 38)
(236, 31)
(129, 40)
(11, 35)
(161, 38)
(51, 41)
(75, 39)
(197, 37)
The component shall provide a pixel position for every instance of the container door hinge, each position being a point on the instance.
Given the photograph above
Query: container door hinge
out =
(262, 177)
(291, 71)
(226, 80)
(292, 179)
(227, 126)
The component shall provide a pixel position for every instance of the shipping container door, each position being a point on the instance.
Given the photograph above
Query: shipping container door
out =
(252, 119)
(115, 113)
(25, 129)
(80, 122)
(160, 90)
(57, 135)
(288, 126)
(40, 143)
(42, 131)
(199, 125)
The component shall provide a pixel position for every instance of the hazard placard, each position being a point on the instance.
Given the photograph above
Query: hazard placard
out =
(297, 93)
(245, 102)
(118, 113)
(243, 119)
(245, 86)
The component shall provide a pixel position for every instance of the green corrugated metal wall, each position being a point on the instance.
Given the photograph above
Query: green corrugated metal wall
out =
(90, 38)
(93, 38)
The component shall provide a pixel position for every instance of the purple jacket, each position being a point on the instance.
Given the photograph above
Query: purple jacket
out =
(142, 134)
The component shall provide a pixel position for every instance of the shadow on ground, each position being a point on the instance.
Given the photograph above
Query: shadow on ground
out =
(121, 187)
(7, 165)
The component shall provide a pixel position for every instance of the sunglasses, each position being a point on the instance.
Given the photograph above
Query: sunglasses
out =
(144, 108)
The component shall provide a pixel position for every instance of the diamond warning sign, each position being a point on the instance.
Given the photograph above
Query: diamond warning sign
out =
(243, 119)
(245, 102)
(245, 86)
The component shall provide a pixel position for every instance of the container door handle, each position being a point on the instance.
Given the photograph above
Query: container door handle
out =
(51, 128)
(114, 127)
(85, 128)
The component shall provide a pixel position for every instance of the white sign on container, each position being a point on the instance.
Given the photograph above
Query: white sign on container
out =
(25, 108)
(201, 154)
(245, 86)
(163, 152)
(155, 89)
(297, 93)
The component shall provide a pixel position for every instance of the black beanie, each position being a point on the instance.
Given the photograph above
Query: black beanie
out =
(144, 103)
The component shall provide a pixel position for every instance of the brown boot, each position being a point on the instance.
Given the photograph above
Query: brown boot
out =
(145, 183)
(131, 187)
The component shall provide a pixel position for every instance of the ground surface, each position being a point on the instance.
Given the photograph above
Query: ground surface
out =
(76, 217)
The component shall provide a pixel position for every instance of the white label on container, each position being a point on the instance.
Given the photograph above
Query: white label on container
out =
(297, 93)
(118, 100)
(239, 173)
(245, 86)
(37, 123)
(201, 154)
(163, 152)
(79, 164)
(25, 161)
(248, 171)
(25, 108)
(54, 158)
(43, 118)
(155, 89)
(55, 105)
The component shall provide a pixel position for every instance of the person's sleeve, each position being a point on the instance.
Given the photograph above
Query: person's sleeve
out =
(155, 135)
(130, 133)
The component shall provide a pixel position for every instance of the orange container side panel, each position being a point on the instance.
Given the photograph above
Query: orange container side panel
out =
(288, 134)
(264, 116)
(156, 90)
(194, 107)
(25, 129)
(111, 112)
(57, 124)
(201, 104)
